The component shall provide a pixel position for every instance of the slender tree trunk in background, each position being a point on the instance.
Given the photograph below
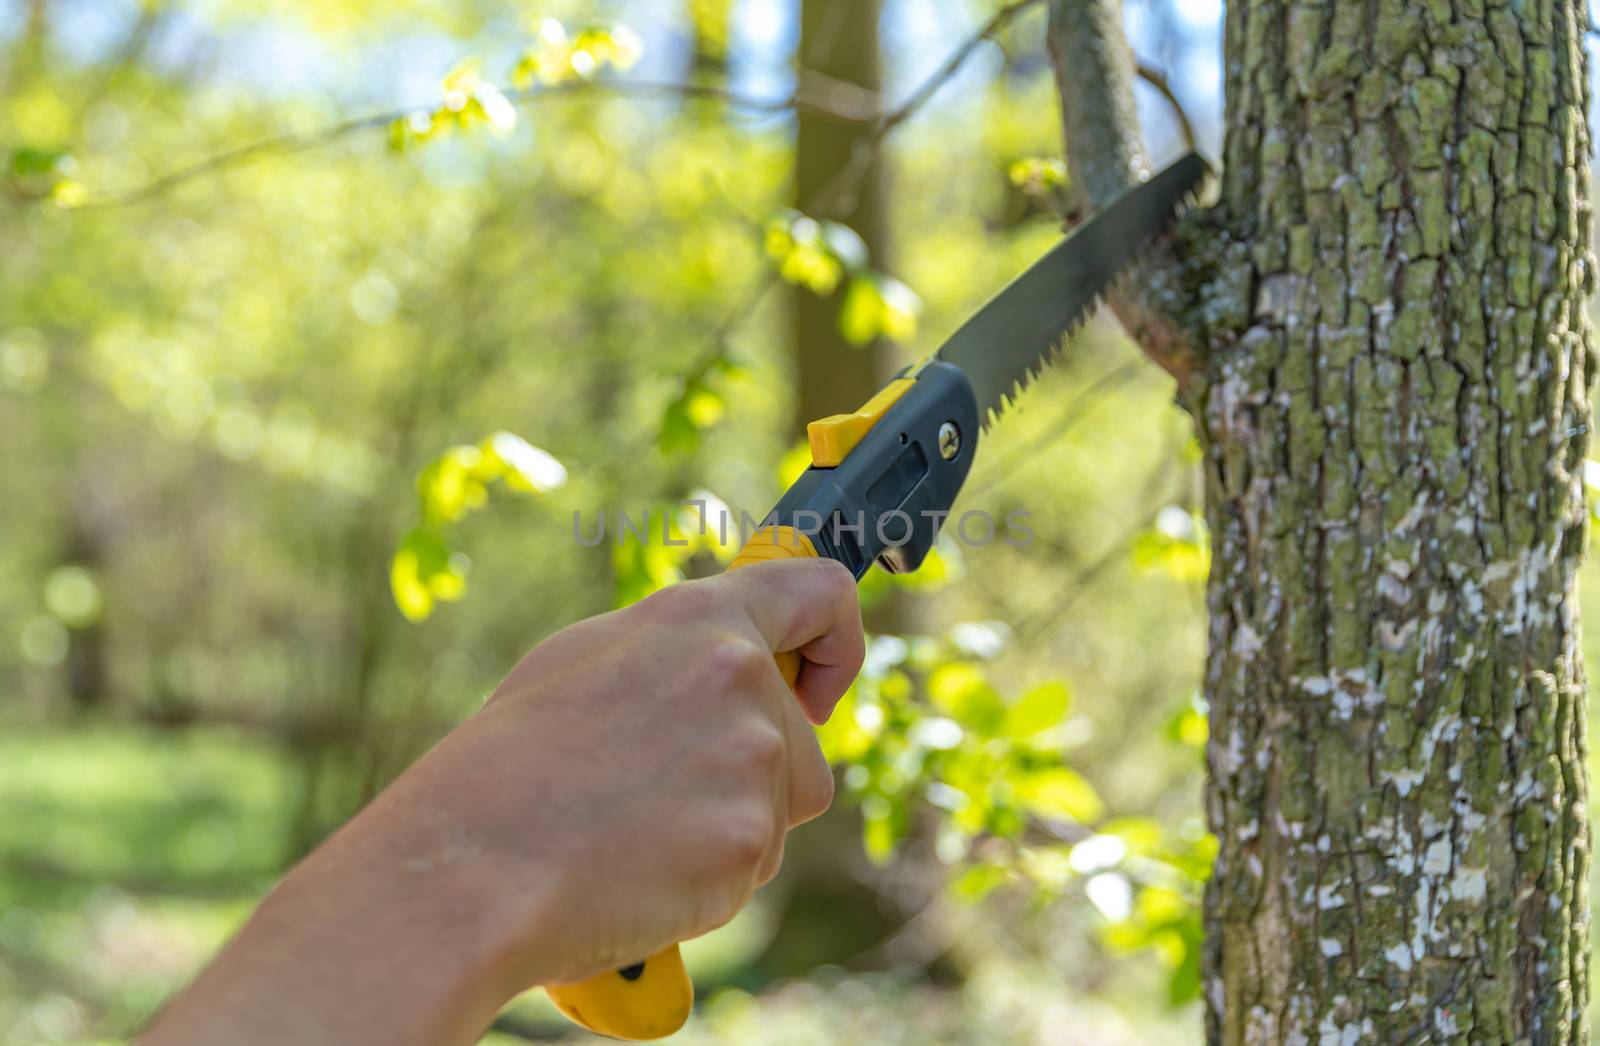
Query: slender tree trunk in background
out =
(1380, 330)
(838, 39)
(829, 911)
(710, 21)
(87, 674)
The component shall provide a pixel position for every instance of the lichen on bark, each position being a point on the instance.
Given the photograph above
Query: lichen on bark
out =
(1393, 398)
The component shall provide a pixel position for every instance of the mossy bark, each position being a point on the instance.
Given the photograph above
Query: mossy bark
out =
(1394, 454)
(1386, 310)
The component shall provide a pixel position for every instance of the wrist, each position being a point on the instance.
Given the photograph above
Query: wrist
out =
(418, 929)
(430, 885)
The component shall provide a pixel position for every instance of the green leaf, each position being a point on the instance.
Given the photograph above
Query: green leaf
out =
(523, 467)
(861, 311)
(978, 881)
(450, 486)
(779, 234)
(1184, 985)
(878, 305)
(424, 570)
(1190, 726)
(812, 267)
(1058, 791)
(901, 308)
(798, 244)
(1037, 173)
(1039, 709)
(28, 162)
(960, 689)
(1177, 545)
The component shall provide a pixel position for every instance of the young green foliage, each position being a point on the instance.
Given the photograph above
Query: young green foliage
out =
(427, 567)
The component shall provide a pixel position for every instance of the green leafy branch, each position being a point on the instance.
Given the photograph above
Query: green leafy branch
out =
(817, 255)
(838, 102)
(924, 726)
(428, 567)
(555, 59)
(924, 730)
(557, 64)
(820, 255)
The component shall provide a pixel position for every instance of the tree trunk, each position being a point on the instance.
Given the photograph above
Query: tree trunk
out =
(1394, 476)
(1386, 314)
(838, 39)
(830, 908)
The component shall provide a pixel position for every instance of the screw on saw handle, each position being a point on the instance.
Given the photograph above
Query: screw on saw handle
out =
(652, 998)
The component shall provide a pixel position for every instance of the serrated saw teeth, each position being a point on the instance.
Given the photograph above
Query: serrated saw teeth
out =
(1007, 343)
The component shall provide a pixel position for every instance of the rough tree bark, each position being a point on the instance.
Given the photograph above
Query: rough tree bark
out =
(1380, 332)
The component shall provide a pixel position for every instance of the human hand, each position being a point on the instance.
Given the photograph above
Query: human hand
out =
(627, 786)
(631, 782)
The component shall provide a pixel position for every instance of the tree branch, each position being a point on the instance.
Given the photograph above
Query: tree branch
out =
(1105, 155)
(836, 104)
(1094, 76)
(990, 29)
(816, 94)
(1157, 78)
(836, 195)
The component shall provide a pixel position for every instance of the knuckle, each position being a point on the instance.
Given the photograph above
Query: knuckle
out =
(748, 837)
(738, 663)
(837, 581)
(762, 749)
(679, 603)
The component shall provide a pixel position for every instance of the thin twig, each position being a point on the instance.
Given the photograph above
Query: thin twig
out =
(850, 106)
(1157, 78)
(849, 111)
(990, 29)
(1074, 412)
(1077, 587)
(1078, 584)
(835, 195)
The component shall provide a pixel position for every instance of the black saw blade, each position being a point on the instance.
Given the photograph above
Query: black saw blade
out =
(1011, 339)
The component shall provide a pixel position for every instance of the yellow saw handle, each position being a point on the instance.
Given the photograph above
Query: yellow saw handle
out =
(884, 477)
(653, 998)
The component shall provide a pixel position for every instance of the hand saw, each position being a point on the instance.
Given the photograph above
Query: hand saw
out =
(883, 478)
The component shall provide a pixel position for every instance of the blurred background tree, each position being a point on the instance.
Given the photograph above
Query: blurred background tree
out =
(328, 332)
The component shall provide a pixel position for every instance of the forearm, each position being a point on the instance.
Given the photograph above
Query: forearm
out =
(385, 935)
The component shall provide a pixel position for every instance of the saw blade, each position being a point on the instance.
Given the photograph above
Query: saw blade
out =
(1011, 339)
